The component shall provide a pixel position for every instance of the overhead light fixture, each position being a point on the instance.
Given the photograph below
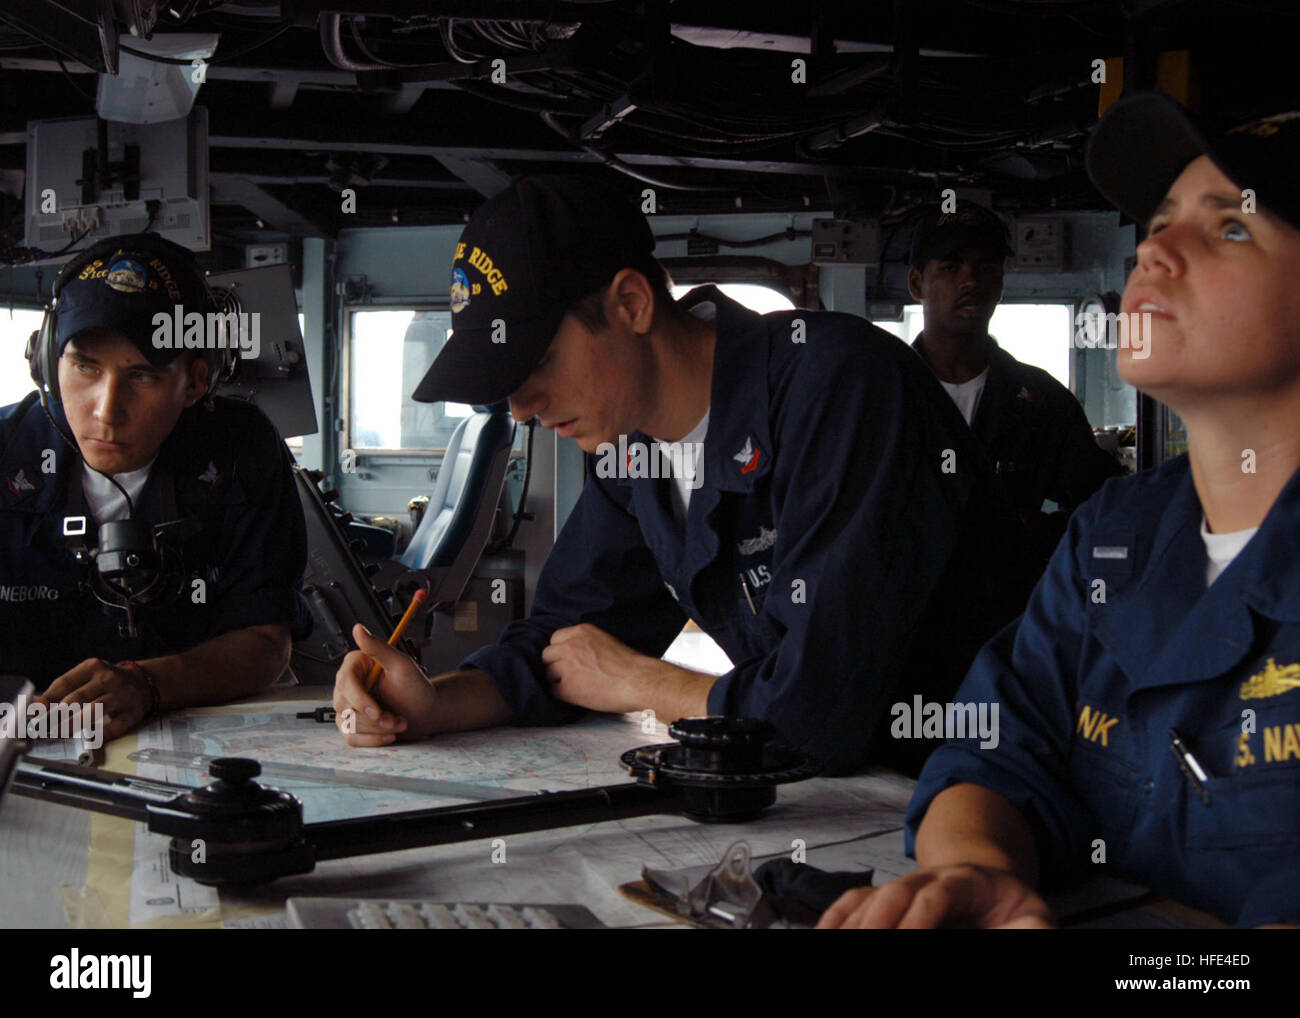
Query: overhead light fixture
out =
(149, 91)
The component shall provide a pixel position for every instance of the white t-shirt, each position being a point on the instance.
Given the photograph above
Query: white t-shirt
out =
(687, 458)
(690, 451)
(103, 500)
(967, 394)
(1221, 549)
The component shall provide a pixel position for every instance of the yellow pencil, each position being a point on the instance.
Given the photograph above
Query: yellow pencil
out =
(376, 668)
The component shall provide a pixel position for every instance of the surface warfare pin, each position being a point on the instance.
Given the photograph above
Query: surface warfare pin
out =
(212, 476)
(19, 486)
(1272, 681)
(748, 457)
(753, 545)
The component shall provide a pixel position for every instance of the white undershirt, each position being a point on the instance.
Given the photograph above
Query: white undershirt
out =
(1221, 549)
(689, 453)
(692, 456)
(103, 500)
(967, 394)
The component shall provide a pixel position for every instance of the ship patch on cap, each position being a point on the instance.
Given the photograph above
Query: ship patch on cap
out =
(525, 256)
(459, 290)
(126, 275)
(481, 260)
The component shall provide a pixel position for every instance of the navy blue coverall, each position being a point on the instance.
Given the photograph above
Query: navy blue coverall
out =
(1040, 444)
(843, 486)
(1121, 642)
(246, 541)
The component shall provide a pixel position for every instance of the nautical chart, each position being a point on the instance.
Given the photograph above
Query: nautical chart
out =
(335, 780)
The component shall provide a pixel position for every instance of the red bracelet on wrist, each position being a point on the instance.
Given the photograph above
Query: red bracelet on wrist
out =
(155, 697)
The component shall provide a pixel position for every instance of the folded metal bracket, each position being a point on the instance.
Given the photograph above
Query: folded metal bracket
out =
(726, 898)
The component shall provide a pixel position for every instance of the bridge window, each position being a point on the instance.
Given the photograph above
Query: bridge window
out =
(754, 296)
(1038, 334)
(16, 325)
(388, 352)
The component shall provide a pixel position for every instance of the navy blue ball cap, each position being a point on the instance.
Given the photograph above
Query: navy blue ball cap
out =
(939, 234)
(122, 289)
(525, 257)
(1145, 140)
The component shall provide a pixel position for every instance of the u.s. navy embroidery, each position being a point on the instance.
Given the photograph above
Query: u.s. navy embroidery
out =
(1272, 681)
(1281, 742)
(759, 576)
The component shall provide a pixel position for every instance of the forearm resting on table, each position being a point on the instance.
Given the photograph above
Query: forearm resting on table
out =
(237, 664)
(468, 699)
(674, 692)
(969, 824)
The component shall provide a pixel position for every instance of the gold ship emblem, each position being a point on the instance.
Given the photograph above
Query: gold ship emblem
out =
(1272, 681)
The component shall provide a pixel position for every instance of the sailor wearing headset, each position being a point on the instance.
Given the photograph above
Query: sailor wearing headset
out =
(151, 541)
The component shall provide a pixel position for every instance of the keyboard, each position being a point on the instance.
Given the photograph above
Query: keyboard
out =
(380, 914)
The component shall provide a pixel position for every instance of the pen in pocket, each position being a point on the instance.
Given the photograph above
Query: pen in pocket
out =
(1189, 765)
(745, 587)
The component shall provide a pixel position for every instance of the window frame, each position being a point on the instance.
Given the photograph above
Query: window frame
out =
(24, 304)
(1072, 304)
(345, 374)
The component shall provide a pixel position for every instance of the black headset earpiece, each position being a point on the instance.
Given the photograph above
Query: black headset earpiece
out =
(33, 354)
(221, 363)
(42, 349)
(47, 357)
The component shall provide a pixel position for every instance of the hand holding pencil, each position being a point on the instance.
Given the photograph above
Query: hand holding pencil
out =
(380, 693)
(416, 601)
